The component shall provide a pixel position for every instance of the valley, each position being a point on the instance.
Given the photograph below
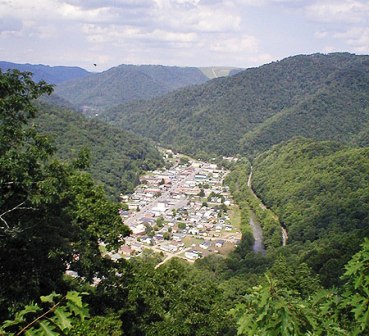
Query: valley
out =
(181, 211)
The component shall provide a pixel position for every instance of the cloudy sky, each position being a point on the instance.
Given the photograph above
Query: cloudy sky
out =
(242, 33)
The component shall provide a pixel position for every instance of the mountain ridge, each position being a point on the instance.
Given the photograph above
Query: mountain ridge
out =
(50, 74)
(125, 83)
(218, 117)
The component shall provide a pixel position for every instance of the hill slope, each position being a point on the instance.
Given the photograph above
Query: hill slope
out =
(321, 96)
(320, 191)
(51, 75)
(117, 157)
(125, 83)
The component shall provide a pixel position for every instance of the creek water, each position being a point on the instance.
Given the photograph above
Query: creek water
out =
(257, 233)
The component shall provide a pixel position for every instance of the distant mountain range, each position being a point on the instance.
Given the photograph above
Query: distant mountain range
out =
(317, 96)
(50, 74)
(92, 92)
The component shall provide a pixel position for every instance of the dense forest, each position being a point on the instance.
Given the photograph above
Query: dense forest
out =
(53, 216)
(320, 191)
(117, 157)
(325, 97)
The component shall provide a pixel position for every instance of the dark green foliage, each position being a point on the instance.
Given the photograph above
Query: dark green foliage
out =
(99, 326)
(273, 308)
(51, 213)
(175, 299)
(117, 157)
(125, 83)
(318, 96)
(356, 294)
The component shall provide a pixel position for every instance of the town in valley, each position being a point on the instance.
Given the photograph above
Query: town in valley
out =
(183, 211)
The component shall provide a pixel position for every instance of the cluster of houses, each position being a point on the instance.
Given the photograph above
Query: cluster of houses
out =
(181, 211)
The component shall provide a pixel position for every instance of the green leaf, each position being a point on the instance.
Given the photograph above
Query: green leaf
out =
(82, 312)
(62, 320)
(47, 329)
(32, 308)
(31, 332)
(74, 297)
(50, 298)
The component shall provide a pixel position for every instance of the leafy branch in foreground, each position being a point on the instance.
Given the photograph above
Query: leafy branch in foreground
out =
(57, 317)
(273, 309)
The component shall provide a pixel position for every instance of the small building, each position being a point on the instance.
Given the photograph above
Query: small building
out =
(219, 243)
(192, 255)
(125, 250)
(205, 245)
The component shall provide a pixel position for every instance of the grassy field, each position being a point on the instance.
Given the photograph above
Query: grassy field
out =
(235, 216)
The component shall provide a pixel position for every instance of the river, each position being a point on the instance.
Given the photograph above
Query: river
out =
(257, 233)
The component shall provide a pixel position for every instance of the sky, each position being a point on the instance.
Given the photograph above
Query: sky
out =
(240, 33)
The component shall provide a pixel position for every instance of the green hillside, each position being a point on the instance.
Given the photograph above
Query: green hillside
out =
(117, 157)
(320, 191)
(319, 96)
(125, 83)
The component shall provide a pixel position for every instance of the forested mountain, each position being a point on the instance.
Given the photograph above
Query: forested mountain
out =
(126, 83)
(50, 74)
(117, 157)
(320, 191)
(318, 96)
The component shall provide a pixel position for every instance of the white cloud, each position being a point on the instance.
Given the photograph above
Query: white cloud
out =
(321, 34)
(235, 45)
(178, 32)
(9, 24)
(346, 11)
(358, 38)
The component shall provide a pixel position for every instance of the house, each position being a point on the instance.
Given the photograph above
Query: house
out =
(147, 221)
(193, 231)
(136, 247)
(147, 240)
(219, 243)
(192, 255)
(138, 230)
(125, 250)
(133, 205)
(205, 245)
(158, 237)
(124, 213)
(115, 256)
(178, 237)
(218, 227)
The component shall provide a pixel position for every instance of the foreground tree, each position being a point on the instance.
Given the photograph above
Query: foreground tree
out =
(273, 309)
(51, 213)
